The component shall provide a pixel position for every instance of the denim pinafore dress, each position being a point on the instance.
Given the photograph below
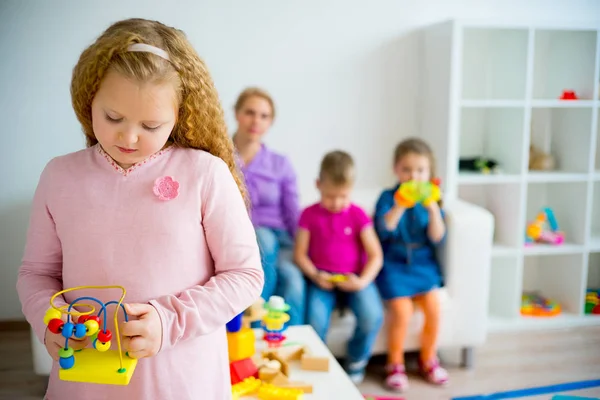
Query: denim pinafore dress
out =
(410, 265)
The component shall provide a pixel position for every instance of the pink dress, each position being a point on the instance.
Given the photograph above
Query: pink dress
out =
(190, 251)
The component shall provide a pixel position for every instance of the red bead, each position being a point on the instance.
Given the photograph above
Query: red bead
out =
(55, 325)
(104, 336)
(82, 319)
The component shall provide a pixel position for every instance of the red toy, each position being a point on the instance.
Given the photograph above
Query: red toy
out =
(569, 95)
(242, 369)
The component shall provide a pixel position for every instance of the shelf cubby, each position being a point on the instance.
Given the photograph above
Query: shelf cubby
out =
(558, 277)
(485, 131)
(494, 63)
(565, 133)
(564, 60)
(568, 203)
(503, 201)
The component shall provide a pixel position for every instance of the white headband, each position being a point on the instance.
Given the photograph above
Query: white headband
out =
(146, 48)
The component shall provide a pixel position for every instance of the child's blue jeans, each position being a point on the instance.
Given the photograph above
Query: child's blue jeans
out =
(367, 307)
(282, 277)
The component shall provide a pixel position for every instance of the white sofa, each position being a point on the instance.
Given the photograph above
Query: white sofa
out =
(466, 263)
(466, 260)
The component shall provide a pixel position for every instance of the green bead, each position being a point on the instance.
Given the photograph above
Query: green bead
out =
(65, 353)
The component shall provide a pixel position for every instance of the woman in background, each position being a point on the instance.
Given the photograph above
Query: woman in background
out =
(271, 183)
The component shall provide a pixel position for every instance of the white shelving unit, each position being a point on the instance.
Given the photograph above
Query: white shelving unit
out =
(492, 90)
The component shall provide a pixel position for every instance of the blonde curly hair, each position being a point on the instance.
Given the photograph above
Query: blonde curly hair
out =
(200, 121)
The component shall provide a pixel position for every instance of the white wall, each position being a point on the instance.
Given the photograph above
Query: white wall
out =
(343, 74)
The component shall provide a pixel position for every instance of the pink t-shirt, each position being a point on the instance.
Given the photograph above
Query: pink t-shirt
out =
(335, 245)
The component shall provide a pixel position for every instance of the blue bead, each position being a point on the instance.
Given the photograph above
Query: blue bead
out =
(80, 330)
(66, 363)
(68, 329)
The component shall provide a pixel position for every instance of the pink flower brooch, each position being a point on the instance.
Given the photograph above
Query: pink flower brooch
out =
(166, 188)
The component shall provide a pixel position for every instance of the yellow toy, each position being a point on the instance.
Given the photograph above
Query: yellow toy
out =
(412, 192)
(268, 391)
(246, 387)
(101, 366)
(240, 344)
(338, 278)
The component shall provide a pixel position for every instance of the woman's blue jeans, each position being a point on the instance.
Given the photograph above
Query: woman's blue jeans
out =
(282, 277)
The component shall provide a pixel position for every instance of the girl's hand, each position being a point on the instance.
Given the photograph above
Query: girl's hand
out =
(352, 284)
(432, 206)
(56, 341)
(323, 280)
(143, 337)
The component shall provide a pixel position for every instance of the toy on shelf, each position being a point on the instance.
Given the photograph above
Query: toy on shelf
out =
(274, 321)
(544, 229)
(98, 365)
(568, 95)
(592, 301)
(540, 161)
(412, 192)
(482, 165)
(535, 305)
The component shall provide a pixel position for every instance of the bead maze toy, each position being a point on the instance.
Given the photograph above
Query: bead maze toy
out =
(544, 229)
(534, 305)
(413, 192)
(99, 365)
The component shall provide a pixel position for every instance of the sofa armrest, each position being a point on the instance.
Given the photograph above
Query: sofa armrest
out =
(466, 260)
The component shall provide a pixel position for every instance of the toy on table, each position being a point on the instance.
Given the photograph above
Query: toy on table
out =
(274, 321)
(482, 165)
(592, 301)
(413, 192)
(532, 304)
(240, 346)
(98, 365)
(544, 229)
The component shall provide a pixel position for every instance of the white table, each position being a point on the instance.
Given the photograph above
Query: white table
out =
(334, 384)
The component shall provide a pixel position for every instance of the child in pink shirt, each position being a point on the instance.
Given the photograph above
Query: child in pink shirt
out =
(154, 204)
(336, 239)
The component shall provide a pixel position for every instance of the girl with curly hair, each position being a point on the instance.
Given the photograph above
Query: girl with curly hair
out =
(155, 204)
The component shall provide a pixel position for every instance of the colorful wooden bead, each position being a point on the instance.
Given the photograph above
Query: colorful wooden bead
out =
(104, 336)
(101, 346)
(51, 314)
(92, 327)
(55, 325)
(66, 363)
(65, 353)
(67, 330)
(80, 331)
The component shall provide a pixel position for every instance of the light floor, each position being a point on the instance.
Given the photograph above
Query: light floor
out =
(511, 361)
(506, 362)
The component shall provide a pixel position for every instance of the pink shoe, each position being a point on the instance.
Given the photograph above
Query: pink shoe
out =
(433, 372)
(396, 379)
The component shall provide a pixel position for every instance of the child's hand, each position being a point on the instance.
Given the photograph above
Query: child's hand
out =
(56, 341)
(143, 337)
(352, 284)
(323, 280)
(432, 206)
